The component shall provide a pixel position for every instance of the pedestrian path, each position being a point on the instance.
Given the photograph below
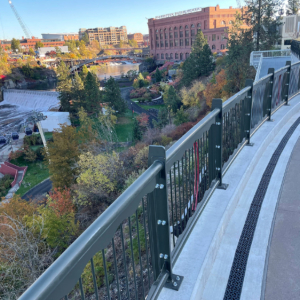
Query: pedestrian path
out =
(283, 264)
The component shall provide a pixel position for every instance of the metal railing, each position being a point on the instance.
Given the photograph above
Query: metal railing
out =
(256, 56)
(129, 251)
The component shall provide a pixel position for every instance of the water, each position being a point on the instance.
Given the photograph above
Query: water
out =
(105, 71)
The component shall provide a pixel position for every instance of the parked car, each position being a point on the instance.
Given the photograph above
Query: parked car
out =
(2, 140)
(15, 136)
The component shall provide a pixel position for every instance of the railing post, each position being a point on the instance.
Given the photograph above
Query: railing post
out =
(287, 83)
(218, 138)
(248, 111)
(159, 223)
(270, 93)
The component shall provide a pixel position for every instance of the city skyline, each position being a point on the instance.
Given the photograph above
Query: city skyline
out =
(68, 17)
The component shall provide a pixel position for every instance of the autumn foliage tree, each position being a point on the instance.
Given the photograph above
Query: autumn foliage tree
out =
(60, 200)
(216, 90)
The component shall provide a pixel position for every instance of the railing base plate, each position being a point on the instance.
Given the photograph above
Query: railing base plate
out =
(223, 186)
(175, 283)
(250, 144)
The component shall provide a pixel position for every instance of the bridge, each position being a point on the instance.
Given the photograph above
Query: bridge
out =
(104, 57)
(216, 216)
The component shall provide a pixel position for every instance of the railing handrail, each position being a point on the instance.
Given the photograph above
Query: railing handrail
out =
(51, 284)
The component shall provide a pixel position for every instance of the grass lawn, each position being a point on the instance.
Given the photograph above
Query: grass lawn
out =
(36, 173)
(159, 106)
(124, 127)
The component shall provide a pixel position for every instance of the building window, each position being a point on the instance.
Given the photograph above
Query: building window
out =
(181, 56)
(192, 26)
(205, 24)
(217, 37)
(199, 25)
(186, 55)
(187, 33)
(171, 55)
(162, 56)
(215, 23)
(171, 35)
(180, 28)
(186, 27)
(175, 28)
(181, 42)
(193, 32)
(287, 42)
(156, 30)
(167, 56)
(157, 44)
(181, 34)
(213, 37)
(157, 37)
(161, 44)
(166, 34)
(222, 47)
(170, 28)
(171, 43)
(223, 37)
(176, 43)
(161, 36)
(175, 34)
(157, 56)
(176, 55)
(187, 42)
(192, 41)
(213, 47)
(166, 43)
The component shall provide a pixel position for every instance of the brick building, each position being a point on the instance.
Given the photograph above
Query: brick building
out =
(171, 36)
(106, 36)
(25, 44)
(138, 37)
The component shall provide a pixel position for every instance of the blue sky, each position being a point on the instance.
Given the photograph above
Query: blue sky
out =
(68, 16)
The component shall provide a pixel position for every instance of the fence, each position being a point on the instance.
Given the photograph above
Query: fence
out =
(129, 251)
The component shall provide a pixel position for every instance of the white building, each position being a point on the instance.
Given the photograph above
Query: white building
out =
(42, 51)
(289, 30)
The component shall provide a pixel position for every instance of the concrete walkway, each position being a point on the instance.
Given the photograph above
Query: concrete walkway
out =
(283, 265)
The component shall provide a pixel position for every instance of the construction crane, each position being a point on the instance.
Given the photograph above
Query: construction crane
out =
(24, 27)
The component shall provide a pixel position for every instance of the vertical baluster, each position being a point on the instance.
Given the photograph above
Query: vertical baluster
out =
(116, 267)
(176, 207)
(124, 259)
(94, 279)
(81, 289)
(183, 198)
(179, 190)
(106, 277)
(172, 206)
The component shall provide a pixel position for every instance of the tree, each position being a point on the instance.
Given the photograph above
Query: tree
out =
(240, 45)
(38, 45)
(112, 95)
(62, 155)
(192, 96)
(199, 63)
(261, 15)
(85, 38)
(31, 52)
(92, 96)
(15, 45)
(137, 131)
(99, 176)
(84, 72)
(163, 118)
(133, 43)
(181, 117)
(294, 6)
(172, 100)
(157, 75)
(217, 89)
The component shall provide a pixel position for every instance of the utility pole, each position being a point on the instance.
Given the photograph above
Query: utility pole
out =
(259, 21)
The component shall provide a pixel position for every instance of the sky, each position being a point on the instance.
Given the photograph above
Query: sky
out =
(67, 16)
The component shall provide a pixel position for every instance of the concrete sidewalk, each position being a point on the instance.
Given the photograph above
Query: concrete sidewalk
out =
(283, 269)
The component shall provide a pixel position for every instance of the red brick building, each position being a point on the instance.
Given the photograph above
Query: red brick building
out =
(171, 36)
(138, 37)
(25, 44)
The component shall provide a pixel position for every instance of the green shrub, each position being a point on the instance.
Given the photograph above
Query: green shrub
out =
(5, 184)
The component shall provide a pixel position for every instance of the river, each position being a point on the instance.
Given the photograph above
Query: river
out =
(115, 70)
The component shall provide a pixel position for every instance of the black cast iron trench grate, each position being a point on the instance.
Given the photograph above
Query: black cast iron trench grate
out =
(238, 268)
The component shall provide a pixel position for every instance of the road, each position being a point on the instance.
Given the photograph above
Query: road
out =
(125, 92)
(42, 188)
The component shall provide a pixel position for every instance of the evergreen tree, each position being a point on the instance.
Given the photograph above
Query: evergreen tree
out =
(84, 72)
(172, 100)
(157, 75)
(137, 131)
(239, 45)
(85, 38)
(293, 6)
(181, 117)
(261, 16)
(199, 63)
(92, 96)
(163, 118)
(112, 95)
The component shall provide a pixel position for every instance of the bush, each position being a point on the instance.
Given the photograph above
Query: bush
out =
(39, 154)
(5, 184)
(181, 130)
(165, 140)
(33, 140)
(181, 117)
(138, 93)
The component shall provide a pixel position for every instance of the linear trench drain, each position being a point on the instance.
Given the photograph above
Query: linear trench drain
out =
(238, 268)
